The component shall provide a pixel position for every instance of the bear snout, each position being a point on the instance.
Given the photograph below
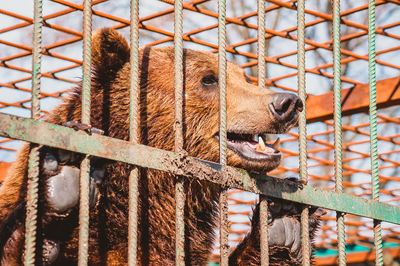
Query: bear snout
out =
(285, 107)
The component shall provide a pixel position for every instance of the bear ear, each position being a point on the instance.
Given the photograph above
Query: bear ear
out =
(110, 51)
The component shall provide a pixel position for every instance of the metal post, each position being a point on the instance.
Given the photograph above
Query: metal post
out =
(338, 127)
(133, 133)
(178, 84)
(85, 165)
(33, 170)
(373, 128)
(301, 80)
(261, 83)
(223, 200)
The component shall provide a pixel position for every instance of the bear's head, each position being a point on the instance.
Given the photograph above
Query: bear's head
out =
(251, 111)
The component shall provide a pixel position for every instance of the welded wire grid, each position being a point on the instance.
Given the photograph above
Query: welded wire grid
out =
(61, 69)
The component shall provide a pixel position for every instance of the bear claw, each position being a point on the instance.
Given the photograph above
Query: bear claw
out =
(64, 156)
(85, 127)
(285, 231)
(50, 163)
(51, 250)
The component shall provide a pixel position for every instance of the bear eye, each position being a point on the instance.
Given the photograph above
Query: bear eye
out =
(209, 81)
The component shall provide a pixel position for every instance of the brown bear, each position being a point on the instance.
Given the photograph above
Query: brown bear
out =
(251, 112)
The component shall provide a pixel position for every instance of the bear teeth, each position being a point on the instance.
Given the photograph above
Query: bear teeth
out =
(261, 145)
(275, 145)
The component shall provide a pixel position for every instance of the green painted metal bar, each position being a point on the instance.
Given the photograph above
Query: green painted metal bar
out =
(178, 84)
(223, 199)
(133, 133)
(118, 150)
(338, 127)
(261, 83)
(301, 85)
(83, 245)
(31, 206)
(373, 128)
(33, 170)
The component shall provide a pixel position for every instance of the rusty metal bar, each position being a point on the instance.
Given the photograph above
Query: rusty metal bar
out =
(178, 126)
(133, 133)
(373, 128)
(223, 199)
(33, 170)
(85, 164)
(261, 83)
(118, 150)
(338, 127)
(301, 84)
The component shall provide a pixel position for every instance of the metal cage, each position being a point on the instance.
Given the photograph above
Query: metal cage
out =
(357, 98)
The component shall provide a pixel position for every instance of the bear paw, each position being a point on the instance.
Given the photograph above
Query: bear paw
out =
(285, 231)
(284, 224)
(62, 185)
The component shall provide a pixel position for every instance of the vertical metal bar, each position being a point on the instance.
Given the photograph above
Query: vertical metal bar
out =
(85, 165)
(33, 170)
(178, 84)
(133, 133)
(338, 127)
(301, 81)
(261, 43)
(373, 127)
(223, 200)
(261, 83)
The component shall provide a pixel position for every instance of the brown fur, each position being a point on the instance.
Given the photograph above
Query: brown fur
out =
(247, 110)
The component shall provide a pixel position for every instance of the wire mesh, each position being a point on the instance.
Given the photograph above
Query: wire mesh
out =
(61, 55)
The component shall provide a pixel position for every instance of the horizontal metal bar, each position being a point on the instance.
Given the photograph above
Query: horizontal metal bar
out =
(141, 155)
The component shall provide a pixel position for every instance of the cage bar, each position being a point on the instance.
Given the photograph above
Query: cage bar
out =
(301, 84)
(85, 164)
(179, 142)
(118, 150)
(261, 83)
(373, 128)
(338, 127)
(133, 132)
(33, 170)
(223, 199)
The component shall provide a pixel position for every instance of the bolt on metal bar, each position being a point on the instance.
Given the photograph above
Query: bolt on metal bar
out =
(133, 133)
(178, 125)
(33, 170)
(261, 83)
(223, 199)
(373, 127)
(301, 84)
(338, 127)
(85, 164)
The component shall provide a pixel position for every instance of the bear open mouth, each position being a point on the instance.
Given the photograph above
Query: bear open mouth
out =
(252, 147)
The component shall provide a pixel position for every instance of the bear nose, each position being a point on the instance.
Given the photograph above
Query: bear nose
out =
(285, 105)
